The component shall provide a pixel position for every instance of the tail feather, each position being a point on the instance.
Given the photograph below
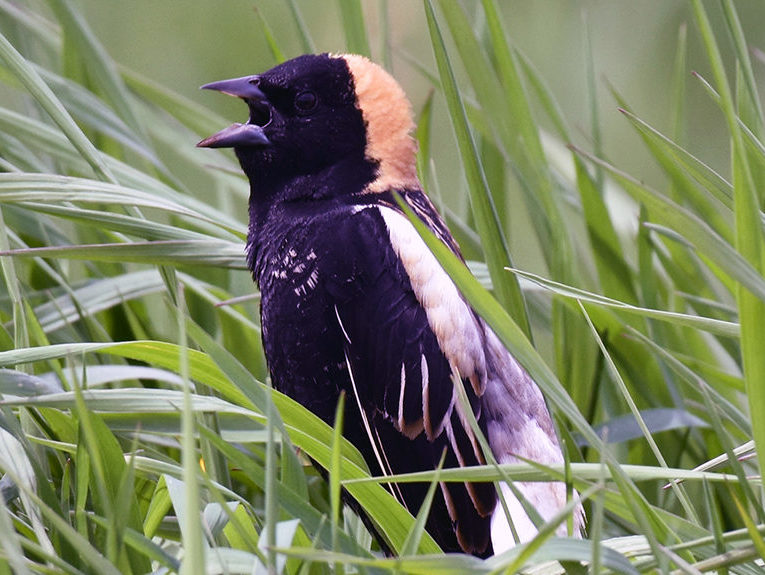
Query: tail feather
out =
(547, 499)
(518, 427)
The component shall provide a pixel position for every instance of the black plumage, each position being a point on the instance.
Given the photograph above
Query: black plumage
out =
(352, 300)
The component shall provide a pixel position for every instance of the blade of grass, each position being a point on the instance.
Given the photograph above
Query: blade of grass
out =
(749, 240)
(20, 333)
(271, 507)
(711, 325)
(193, 541)
(614, 273)
(354, 27)
(100, 66)
(754, 534)
(492, 239)
(273, 45)
(32, 81)
(423, 134)
(335, 477)
(172, 252)
(415, 535)
(679, 79)
(744, 64)
(694, 229)
(304, 35)
(592, 98)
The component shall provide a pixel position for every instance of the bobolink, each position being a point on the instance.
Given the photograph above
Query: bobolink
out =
(352, 299)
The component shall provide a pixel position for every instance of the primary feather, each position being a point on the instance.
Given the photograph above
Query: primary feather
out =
(352, 300)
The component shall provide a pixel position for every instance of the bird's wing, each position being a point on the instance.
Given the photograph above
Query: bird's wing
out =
(407, 333)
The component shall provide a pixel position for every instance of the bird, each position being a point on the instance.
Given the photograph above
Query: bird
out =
(353, 302)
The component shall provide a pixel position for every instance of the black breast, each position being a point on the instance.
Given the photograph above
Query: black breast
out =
(301, 336)
(332, 286)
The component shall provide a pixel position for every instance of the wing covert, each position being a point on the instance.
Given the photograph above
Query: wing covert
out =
(401, 348)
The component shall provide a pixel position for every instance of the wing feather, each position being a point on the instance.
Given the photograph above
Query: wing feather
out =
(410, 335)
(401, 343)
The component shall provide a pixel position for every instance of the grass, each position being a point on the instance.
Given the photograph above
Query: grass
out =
(138, 432)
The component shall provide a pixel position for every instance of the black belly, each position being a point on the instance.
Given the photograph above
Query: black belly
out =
(303, 349)
(301, 281)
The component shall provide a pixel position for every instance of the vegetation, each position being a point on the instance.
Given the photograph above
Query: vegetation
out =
(137, 429)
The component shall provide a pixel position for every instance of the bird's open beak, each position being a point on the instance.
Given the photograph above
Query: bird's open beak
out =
(240, 135)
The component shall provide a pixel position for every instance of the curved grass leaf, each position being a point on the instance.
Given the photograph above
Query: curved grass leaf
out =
(47, 99)
(355, 27)
(484, 211)
(749, 233)
(711, 325)
(696, 231)
(208, 252)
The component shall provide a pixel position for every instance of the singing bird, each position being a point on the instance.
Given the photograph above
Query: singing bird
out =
(353, 301)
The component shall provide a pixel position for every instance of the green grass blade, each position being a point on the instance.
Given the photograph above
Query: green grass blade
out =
(172, 252)
(679, 80)
(92, 55)
(423, 135)
(271, 508)
(749, 239)
(497, 256)
(273, 45)
(614, 273)
(32, 81)
(694, 230)
(193, 541)
(744, 65)
(355, 27)
(711, 325)
(304, 35)
(335, 474)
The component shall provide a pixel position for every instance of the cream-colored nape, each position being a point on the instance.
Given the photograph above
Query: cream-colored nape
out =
(388, 117)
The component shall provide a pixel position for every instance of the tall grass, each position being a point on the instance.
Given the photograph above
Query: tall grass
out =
(138, 432)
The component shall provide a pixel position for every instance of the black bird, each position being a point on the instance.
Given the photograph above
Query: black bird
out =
(352, 299)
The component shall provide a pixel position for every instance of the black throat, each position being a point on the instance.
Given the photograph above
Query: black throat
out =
(279, 204)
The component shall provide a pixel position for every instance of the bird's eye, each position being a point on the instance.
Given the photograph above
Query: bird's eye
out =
(306, 101)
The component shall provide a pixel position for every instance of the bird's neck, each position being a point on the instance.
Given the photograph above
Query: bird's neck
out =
(274, 201)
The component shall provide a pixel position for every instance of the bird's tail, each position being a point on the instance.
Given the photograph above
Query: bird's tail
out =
(519, 427)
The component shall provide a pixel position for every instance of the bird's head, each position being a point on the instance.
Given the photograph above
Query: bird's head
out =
(317, 111)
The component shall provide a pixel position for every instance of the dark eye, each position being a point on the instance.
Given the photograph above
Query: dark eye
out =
(306, 101)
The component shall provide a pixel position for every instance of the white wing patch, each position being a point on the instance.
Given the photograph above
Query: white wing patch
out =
(502, 537)
(448, 315)
(547, 499)
(518, 423)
